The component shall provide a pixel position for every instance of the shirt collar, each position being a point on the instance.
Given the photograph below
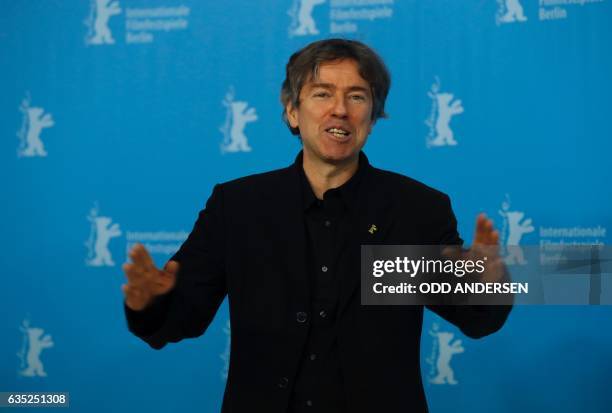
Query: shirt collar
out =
(348, 191)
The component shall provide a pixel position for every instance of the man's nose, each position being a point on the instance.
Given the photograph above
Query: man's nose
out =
(339, 109)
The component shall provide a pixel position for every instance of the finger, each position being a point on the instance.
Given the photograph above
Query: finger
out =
(486, 226)
(167, 279)
(135, 274)
(133, 254)
(491, 234)
(489, 240)
(485, 229)
(128, 291)
(139, 262)
(146, 257)
(480, 227)
(140, 255)
(481, 220)
(495, 237)
(137, 256)
(479, 232)
(163, 285)
(172, 267)
(486, 232)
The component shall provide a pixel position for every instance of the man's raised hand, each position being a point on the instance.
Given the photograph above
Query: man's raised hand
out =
(486, 244)
(485, 232)
(144, 280)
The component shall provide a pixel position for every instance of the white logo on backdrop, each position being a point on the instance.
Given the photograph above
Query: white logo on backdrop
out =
(343, 16)
(509, 11)
(100, 234)
(141, 24)
(97, 22)
(444, 348)
(302, 22)
(225, 356)
(237, 115)
(34, 342)
(513, 229)
(443, 108)
(34, 120)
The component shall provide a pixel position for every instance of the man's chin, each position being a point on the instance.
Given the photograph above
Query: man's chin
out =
(333, 156)
(341, 158)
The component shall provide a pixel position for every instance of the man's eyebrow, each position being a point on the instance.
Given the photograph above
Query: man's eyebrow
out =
(332, 86)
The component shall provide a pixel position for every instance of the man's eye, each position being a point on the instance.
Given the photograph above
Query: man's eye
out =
(321, 94)
(358, 98)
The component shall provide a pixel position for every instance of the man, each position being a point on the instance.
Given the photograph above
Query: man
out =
(285, 248)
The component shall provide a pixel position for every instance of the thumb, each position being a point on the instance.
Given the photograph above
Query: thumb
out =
(172, 267)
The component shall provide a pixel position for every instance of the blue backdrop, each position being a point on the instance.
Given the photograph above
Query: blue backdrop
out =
(118, 117)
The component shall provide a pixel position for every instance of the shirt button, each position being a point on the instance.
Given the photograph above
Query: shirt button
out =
(327, 223)
(283, 382)
(309, 403)
(313, 357)
(301, 317)
(323, 314)
(324, 268)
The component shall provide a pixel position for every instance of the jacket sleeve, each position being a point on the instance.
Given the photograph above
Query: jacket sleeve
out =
(200, 288)
(474, 321)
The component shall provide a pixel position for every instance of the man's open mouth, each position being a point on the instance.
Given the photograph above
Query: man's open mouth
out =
(338, 132)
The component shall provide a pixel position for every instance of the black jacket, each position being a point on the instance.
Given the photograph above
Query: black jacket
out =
(249, 243)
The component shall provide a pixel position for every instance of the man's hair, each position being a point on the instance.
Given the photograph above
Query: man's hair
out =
(303, 66)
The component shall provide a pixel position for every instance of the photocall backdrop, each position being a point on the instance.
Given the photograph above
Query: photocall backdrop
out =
(118, 117)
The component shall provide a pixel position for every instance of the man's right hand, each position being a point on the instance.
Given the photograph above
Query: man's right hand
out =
(144, 280)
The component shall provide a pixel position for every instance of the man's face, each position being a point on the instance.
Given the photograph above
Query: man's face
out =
(335, 113)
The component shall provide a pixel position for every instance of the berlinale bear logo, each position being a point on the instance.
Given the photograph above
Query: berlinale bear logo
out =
(513, 229)
(34, 121)
(444, 348)
(302, 22)
(509, 11)
(237, 115)
(443, 108)
(100, 234)
(97, 22)
(34, 342)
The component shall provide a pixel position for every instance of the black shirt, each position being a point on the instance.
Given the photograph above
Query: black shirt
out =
(318, 385)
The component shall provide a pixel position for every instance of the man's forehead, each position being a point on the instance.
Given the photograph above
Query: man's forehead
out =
(316, 79)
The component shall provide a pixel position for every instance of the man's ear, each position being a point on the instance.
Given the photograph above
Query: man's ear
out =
(292, 115)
